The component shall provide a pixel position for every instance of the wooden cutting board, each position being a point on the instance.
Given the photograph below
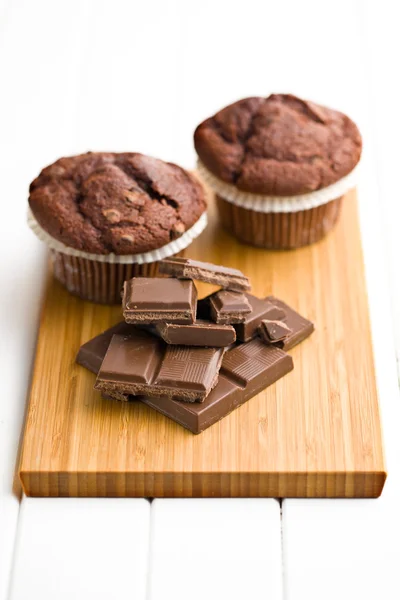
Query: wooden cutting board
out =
(314, 433)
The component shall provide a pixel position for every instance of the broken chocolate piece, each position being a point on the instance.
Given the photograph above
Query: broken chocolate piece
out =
(301, 327)
(91, 354)
(261, 309)
(186, 268)
(154, 299)
(141, 363)
(273, 331)
(229, 307)
(200, 333)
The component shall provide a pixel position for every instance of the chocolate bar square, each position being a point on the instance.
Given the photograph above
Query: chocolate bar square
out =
(229, 307)
(141, 363)
(155, 299)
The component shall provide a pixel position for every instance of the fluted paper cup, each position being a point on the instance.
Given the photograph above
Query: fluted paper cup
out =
(278, 222)
(100, 277)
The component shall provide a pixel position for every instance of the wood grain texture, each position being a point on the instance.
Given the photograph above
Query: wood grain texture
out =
(315, 433)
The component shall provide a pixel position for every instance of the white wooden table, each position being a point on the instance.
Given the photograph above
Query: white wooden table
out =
(122, 75)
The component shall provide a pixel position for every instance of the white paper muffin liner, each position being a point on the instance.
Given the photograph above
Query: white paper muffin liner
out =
(145, 257)
(278, 204)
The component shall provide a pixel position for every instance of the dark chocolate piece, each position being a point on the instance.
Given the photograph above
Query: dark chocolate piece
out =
(141, 363)
(186, 268)
(261, 309)
(272, 332)
(246, 370)
(200, 333)
(154, 299)
(301, 327)
(227, 306)
(91, 354)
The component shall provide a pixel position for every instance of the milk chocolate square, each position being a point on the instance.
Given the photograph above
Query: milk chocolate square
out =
(141, 363)
(229, 307)
(155, 299)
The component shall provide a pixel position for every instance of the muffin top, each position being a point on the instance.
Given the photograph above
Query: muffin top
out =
(280, 145)
(122, 203)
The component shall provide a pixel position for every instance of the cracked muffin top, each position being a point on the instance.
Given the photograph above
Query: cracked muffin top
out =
(122, 203)
(280, 145)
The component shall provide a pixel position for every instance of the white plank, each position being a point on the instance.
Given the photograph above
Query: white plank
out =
(215, 549)
(86, 549)
(345, 549)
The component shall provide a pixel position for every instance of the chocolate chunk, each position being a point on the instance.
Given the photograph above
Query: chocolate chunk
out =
(152, 299)
(301, 327)
(246, 370)
(186, 268)
(261, 309)
(273, 331)
(200, 333)
(91, 354)
(229, 307)
(141, 363)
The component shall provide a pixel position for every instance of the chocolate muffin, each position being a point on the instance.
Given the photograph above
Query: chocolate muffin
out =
(108, 217)
(280, 167)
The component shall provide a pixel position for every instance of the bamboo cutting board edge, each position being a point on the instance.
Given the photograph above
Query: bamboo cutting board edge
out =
(236, 485)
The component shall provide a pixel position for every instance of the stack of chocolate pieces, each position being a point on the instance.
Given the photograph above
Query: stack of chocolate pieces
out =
(194, 360)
